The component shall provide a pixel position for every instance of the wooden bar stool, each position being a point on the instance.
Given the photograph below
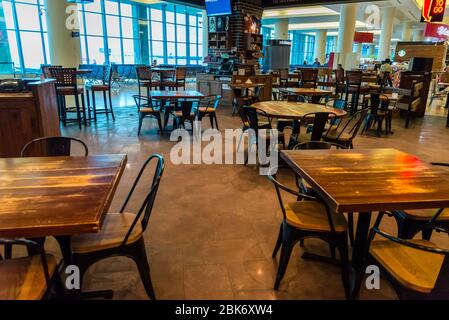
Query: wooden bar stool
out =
(145, 79)
(66, 85)
(180, 79)
(105, 87)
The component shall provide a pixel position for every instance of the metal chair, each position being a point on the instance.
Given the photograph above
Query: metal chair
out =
(417, 269)
(378, 112)
(34, 277)
(122, 233)
(145, 79)
(212, 103)
(345, 133)
(105, 88)
(179, 79)
(147, 107)
(51, 147)
(309, 218)
(353, 88)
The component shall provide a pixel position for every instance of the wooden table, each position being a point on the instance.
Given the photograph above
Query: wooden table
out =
(242, 86)
(370, 180)
(306, 91)
(294, 110)
(57, 196)
(165, 95)
(385, 96)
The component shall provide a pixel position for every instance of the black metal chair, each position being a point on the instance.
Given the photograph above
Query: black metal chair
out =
(52, 147)
(184, 110)
(210, 109)
(34, 277)
(417, 269)
(353, 88)
(316, 128)
(378, 113)
(147, 107)
(309, 218)
(309, 77)
(305, 188)
(346, 131)
(250, 118)
(122, 233)
(411, 222)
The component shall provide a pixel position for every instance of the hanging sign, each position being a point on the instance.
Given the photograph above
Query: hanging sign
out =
(437, 30)
(363, 37)
(433, 10)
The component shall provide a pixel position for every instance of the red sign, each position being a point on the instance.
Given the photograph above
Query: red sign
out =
(433, 10)
(363, 37)
(437, 30)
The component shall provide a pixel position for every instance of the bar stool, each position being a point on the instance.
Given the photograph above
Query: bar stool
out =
(66, 85)
(339, 82)
(168, 77)
(353, 86)
(179, 81)
(105, 87)
(145, 79)
(45, 70)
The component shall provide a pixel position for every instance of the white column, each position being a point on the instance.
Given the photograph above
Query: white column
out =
(387, 16)
(407, 31)
(346, 31)
(281, 29)
(64, 49)
(418, 35)
(320, 45)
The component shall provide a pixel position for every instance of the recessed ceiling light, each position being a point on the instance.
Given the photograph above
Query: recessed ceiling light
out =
(308, 11)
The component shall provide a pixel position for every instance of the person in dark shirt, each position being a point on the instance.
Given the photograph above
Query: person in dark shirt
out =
(317, 63)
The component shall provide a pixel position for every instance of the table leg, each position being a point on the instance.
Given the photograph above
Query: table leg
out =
(295, 134)
(66, 249)
(361, 239)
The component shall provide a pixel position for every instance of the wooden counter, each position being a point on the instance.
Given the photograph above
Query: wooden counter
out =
(27, 116)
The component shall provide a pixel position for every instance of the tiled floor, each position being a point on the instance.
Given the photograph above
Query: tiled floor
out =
(214, 226)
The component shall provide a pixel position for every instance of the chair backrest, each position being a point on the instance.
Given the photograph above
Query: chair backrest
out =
(352, 126)
(318, 145)
(51, 147)
(283, 74)
(212, 102)
(45, 69)
(339, 76)
(294, 98)
(65, 77)
(35, 246)
(168, 74)
(144, 73)
(144, 213)
(354, 78)
(250, 117)
(309, 77)
(181, 73)
(106, 75)
(339, 104)
(320, 120)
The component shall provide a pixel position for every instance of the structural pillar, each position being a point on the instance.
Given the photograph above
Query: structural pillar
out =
(205, 34)
(386, 33)
(281, 29)
(372, 50)
(358, 50)
(346, 29)
(65, 50)
(418, 35)
(407, 31)
(320, 45)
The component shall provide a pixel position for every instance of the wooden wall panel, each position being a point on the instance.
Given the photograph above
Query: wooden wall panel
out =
(422, 50)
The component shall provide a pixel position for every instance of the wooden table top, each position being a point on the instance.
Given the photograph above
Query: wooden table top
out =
(57, 195)
(371, 180)
(384, 96)
(294, 110)
(167, 94)
(306, 91)
(246, 85)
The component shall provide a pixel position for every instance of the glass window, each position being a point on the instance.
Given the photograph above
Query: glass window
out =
(181, 33)
(113, 26)
(171, 53)
(192, 35)
(115, 50)
(127, 28)
(128, 51)
(33, 55)
(126, 10)
(156, 14)
(170, 32)
(94, 24)
(156, 30)
(28, 17)
(94, 6)
(111, 7)
(180, 16)
(13, 48)
(96, 50)
(8, 15)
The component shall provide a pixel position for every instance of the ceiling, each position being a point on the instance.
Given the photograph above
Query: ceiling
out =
(309, 19)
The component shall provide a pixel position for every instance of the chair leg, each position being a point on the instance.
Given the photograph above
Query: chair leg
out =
(8, 251)
(140, 125)
(278, 243)
(94, 105)
(78, 111)
(427, 234)
(286, 251)
(159, 122)
(110, 104)
(407, 120)
(84, 109)
(351, 228)
(345, 268)
(105, 105)
(141, 260)
(211, 119)
(216, 121)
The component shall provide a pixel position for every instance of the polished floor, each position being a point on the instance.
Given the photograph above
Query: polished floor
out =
(213, 227)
